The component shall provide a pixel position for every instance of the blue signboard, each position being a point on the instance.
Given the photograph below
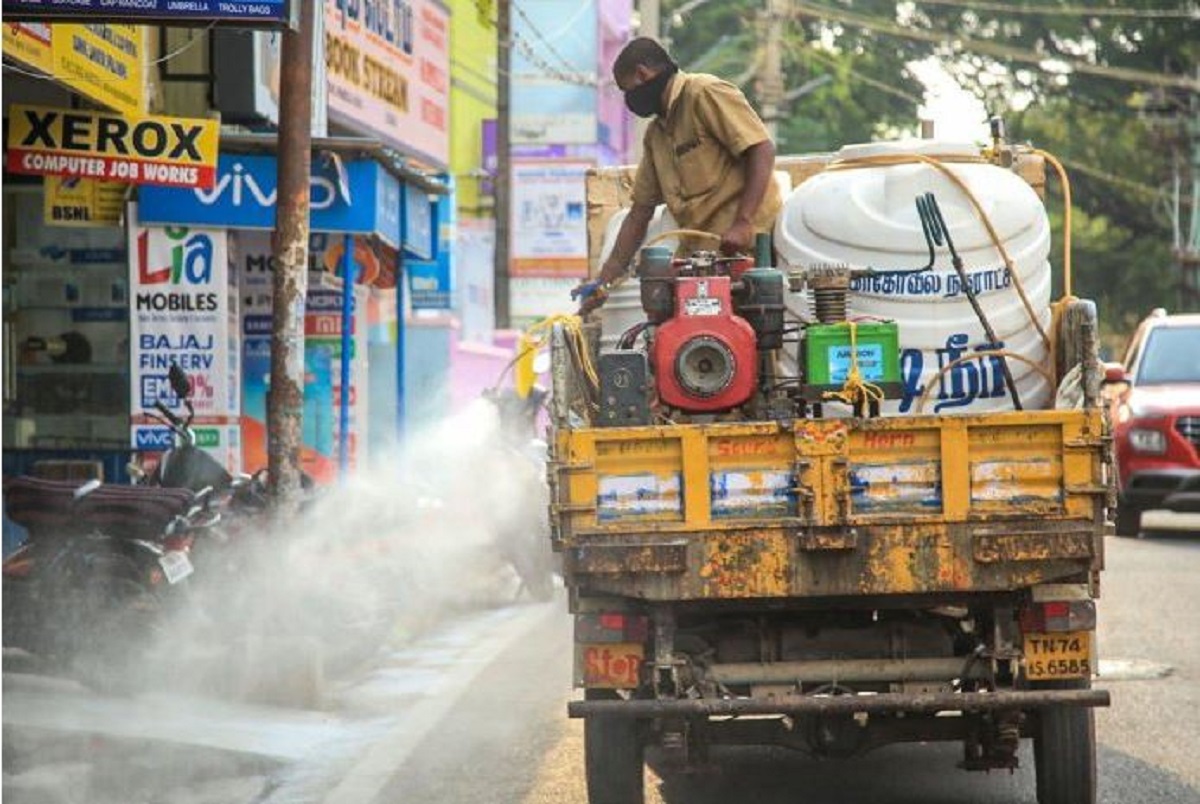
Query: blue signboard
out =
(239, 12)
(418, 223)
(362, 199)
(431, 282)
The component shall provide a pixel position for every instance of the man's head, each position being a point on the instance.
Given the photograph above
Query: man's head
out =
(642, 71)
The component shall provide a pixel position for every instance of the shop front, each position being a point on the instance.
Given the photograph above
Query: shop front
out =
(356, 223)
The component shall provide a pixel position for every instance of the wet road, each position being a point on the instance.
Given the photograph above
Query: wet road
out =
(476, 713)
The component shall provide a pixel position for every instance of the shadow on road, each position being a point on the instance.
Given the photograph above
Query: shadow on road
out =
(910, 774)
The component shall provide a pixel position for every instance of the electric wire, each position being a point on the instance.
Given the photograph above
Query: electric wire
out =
(994, 49)
(1069, 11)
(186, 46)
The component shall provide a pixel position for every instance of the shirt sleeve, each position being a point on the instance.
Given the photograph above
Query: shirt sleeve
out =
(728, 116)
(647, 192)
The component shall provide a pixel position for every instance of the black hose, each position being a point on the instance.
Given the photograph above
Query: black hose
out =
(937, 232)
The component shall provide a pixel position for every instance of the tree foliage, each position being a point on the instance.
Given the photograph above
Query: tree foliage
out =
(1102, 85)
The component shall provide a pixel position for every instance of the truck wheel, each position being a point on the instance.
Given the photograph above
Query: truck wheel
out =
(1064, 755)
(1129, 520)
(613, 754)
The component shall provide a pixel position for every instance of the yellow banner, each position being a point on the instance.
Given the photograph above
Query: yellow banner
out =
(171, 151)
(83, 202)
(102, 62)
(29, 43)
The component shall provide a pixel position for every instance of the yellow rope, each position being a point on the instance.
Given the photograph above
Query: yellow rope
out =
(974, 355)
(1066, 186)
(538, 335)
(888, 160)
(855, 389)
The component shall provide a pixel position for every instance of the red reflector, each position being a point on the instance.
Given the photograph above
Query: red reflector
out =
(612, 622)
(1056, 609)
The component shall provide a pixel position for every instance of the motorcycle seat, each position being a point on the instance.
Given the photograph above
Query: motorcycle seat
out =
(49, 507)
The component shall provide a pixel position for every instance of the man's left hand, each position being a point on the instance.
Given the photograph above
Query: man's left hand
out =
(738, 239)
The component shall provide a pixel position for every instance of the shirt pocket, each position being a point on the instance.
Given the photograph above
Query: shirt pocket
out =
(701, 164)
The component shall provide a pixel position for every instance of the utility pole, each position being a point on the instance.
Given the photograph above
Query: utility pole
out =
(503, 182)
(770, 79)
(649, 14)
(285, 403)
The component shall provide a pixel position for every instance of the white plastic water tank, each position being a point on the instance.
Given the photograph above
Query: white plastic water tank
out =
(867, 217)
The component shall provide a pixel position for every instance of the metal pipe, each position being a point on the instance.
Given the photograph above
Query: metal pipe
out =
(847, 670)
(348, 276)
(285, 403)
(927, 704)
(560, 377)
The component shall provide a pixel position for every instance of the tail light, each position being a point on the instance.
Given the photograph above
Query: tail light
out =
(611, 627)
(1058, 615)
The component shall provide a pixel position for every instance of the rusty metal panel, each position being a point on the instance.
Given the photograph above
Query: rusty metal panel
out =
(739, 565)
(1032, 545)
(633, 559)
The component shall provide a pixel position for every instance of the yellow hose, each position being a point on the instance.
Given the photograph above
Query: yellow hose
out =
(537, 336)
(1066, 186)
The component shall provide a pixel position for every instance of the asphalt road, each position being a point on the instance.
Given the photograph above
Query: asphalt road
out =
(476, 713)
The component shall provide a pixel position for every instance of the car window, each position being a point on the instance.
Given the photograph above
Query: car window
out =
(1171, 354)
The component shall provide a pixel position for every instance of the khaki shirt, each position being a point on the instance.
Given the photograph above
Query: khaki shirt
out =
(692, 157)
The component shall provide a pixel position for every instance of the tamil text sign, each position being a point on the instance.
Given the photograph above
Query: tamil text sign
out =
(388, 68)
(172, 151)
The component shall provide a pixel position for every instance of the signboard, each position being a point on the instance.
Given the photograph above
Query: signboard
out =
(554, 76)
(474, 257)
(82, 202)
(172, 12)
(431, 282)
(182, 312)
(363, 199)
(102, 62)
(549, 219)
(172, 151)
(535, 298)
(418, 223)
(322, 353)
(388, 68)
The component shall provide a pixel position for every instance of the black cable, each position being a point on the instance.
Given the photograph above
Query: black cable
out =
(935, 228)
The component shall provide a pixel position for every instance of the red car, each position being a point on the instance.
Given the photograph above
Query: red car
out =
(1156, 419)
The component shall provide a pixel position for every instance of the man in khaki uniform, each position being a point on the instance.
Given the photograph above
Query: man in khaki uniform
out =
(706, 155)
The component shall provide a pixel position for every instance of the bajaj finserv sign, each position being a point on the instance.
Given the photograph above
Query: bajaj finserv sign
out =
(171, 151)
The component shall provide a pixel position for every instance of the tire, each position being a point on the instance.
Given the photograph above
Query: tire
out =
(613, 754)
(1064, 754)
(1129, 520)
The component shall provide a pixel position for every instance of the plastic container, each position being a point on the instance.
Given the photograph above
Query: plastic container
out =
(867, 217)
(827, 352)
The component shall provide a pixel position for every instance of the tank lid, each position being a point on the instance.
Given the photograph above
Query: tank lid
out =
(909, 146)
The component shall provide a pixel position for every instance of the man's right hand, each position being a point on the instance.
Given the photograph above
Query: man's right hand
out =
(591, 295)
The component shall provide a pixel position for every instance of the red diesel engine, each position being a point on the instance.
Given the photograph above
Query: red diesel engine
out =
(705, 357)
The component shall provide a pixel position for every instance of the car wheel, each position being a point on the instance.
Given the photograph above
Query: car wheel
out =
(1129, 520)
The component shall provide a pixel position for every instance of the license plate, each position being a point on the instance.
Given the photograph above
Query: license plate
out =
(1054, 656)
(175, 565)
(613, 666)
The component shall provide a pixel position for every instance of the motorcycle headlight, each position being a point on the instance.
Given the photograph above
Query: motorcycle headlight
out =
(1150, 441)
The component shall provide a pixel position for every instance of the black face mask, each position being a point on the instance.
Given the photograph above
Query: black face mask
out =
(645, 100)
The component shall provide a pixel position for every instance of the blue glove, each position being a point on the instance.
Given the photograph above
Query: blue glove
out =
(582, 292)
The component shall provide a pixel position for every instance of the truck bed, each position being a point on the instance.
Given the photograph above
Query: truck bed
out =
(833, 507)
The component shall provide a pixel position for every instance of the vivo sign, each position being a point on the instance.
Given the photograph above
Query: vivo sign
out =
(365, 199)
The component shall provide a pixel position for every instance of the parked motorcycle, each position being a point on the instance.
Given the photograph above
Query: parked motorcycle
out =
(86, 592)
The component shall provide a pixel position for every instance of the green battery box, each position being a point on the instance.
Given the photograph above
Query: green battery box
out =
(827, 353)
